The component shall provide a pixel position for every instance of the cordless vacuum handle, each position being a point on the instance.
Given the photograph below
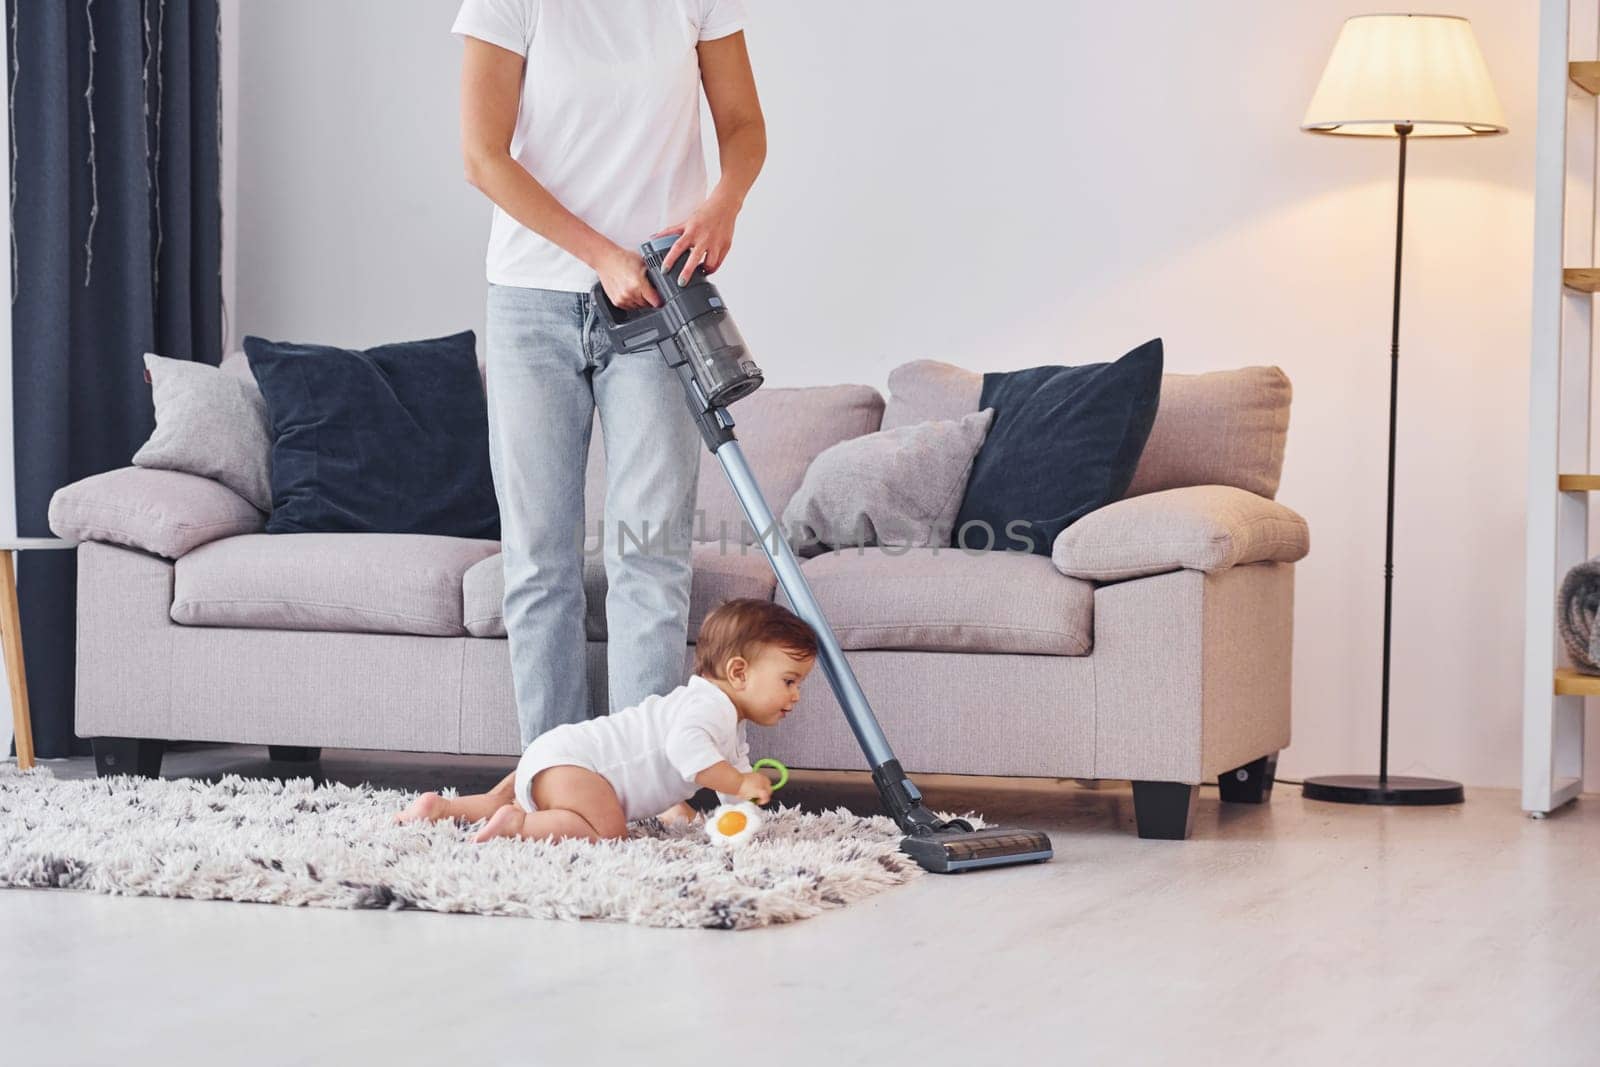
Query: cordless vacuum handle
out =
(633, 330)
(694, 334)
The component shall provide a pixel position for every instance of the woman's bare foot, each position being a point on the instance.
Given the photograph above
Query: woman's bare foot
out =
(429, 807)
(507, 822)
(678, 814)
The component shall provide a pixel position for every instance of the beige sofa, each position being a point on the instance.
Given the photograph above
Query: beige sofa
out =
(1153, 645)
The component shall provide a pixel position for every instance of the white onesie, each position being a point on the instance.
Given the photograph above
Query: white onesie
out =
(649, 752)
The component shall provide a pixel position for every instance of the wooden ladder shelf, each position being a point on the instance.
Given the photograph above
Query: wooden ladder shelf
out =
(1561, 405)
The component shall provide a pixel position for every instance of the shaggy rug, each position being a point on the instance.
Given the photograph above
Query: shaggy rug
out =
(334, 846)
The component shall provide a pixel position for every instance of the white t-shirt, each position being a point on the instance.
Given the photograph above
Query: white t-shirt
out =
(650, 752)
(609, 120)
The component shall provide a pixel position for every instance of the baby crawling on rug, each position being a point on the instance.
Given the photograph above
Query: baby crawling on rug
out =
(590, 779)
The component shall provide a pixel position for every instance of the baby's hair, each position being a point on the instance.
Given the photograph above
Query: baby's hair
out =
(743, 627)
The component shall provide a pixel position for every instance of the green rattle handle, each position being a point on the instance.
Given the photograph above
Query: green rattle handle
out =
(783, 772)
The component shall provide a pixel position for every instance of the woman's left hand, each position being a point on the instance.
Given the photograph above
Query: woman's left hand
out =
(704, 237)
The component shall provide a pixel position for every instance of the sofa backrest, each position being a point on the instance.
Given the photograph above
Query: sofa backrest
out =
(1218, 428)
(781, 430)
(1225, 427)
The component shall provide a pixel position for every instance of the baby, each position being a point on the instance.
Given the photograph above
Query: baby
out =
(590, 779)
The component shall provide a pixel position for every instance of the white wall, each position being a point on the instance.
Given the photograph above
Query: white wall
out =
(1052, 182)
(354, 223)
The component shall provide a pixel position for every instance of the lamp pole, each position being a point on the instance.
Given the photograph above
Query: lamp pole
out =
(1364, 788)
(1403, 133)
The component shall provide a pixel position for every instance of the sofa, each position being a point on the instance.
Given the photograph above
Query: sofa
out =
(1152, 645)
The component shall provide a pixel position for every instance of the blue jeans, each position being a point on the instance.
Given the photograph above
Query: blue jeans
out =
(549, 365)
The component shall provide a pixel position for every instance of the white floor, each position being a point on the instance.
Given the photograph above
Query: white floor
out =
(1296, 933)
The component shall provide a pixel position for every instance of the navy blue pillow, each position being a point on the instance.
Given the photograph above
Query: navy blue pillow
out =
(394, 439)
(1064, 441)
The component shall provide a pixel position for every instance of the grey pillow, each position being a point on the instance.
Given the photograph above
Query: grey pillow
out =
(211, 422)
(901, 486)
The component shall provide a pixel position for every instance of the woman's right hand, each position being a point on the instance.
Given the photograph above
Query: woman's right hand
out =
(622, 274)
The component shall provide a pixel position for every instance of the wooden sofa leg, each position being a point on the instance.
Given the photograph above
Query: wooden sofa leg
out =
(1164, 810)
(1250, 784)
(127, 755)
(294, 753)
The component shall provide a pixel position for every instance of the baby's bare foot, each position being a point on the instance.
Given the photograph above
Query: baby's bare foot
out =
(678, 814)
(429, 807)
(507, 822)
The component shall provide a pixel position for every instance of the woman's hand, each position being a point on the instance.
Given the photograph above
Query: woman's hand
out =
(704, 237)
(755, 786)
(622, 274)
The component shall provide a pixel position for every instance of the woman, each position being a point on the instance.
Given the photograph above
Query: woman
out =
(581, 122)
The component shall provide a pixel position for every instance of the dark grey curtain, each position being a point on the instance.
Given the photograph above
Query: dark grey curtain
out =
(117, 229)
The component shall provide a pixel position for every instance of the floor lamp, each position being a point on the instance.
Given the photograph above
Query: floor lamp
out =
(1400, 76)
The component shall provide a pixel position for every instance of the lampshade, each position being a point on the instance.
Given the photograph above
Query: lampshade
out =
(1424, 71)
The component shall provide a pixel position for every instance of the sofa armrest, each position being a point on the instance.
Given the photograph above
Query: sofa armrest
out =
(163, 512)
(1199, 527)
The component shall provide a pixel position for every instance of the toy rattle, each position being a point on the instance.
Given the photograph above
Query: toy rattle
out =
(734, 824)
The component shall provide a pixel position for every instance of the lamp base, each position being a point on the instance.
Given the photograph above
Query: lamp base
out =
(1370, 789)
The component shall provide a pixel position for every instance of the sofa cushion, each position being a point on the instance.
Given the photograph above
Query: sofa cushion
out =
(1065, 441)
(949, 600)
(209, 422)
(780, 431)
(1225, 427)
(1199, 527)
(353, 582)
(926, 390)
(167, 513)
(393, 439)
(1218, 428)
(720, 573)
(897, 487)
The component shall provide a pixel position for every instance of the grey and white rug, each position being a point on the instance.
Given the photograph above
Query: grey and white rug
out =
(335, 846)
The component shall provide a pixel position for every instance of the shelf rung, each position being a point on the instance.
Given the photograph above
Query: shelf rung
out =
(1585, 76)
(1578, 483)
(1571, 683)
(1582, 279)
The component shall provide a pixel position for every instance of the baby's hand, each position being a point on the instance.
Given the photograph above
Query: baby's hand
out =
(755, 786)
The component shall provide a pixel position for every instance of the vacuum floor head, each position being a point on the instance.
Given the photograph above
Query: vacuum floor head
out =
(953, 849)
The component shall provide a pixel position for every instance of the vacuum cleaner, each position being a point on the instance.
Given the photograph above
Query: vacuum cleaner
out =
(697, 338)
